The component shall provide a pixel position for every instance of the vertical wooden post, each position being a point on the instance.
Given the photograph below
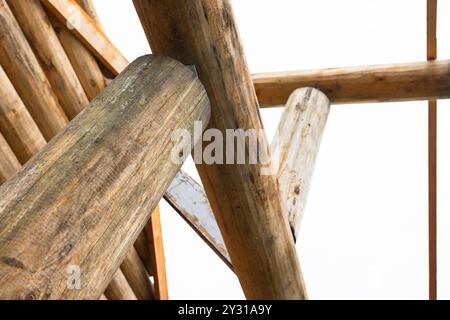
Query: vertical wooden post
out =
(432, 157)
(245, 201)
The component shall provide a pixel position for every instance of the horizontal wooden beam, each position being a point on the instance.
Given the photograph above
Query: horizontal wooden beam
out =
(82, 201)
(87, 31)
(379, 83)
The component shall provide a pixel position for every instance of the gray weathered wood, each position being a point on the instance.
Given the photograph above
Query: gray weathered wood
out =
(83, 200)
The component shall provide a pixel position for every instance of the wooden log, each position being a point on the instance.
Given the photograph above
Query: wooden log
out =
(295, 147)
(103, 297)
(83, 200)
(137, 276)
(379, 83)
(156, 252)
(85, 29)
(246, 202)
(119, 289)
(16, 124)
(8, 161)
(432, 157)
(27, 76)
(83, 62)
(37, 28)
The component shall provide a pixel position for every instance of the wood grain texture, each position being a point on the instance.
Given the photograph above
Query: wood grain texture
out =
(137, 276)
(379, 83)
(119, 289)
(38, 30)
(27, 76)
(84, 63)
(246, 203)
(432, 157)
(86, 196)
(89, 8)
(156, 253)
(85, 29)
(295, 147)
(9, 164)
(16, 123)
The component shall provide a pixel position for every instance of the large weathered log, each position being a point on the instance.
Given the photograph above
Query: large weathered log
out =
(86, 30)
(379, 83)
(119, 289)
(27, 76)
(246, 202)
(37, 28)
(8, 161)
(84, 199)
(295, 147)
(16, 124)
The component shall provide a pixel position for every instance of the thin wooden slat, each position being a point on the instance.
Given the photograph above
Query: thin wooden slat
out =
(246, 202)
(85, 29)
(379, 83)
(27, 76)
(432, 157)
(16, 124)
(119, 289)
(89, 8)
(9, 164)
(156, 254)
(88, 182)
(37, 28)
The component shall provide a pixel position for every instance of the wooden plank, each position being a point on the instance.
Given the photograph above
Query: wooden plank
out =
(246, 203)
(16, 124)
(8, 161)
(85, 29)
(85, 171)
(27, 76)
(189, 200)
(432, 157)
(379, 83)
(156, 254)
(119, 289)
(89, 8)
(37, 28)
(137, 276)
(295, 147)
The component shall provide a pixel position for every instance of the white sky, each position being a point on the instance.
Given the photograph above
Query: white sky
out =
(364, 235)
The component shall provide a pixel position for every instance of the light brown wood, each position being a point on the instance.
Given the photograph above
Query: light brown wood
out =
(103, 297)
(137, 276)
(246, 203)
(16, 124)
(119, 289)
(89, 8)
(379, 83)
(8, 161)
(156, 253)
(27, 76)
(37, 28)
(432, 157)
(295, 147)
(85, 29)
(88, 182)
(83, 62)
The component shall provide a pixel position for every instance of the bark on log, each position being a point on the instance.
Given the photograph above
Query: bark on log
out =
(246, 202)
(27, 76)
(16, 124)
(295, 147)
(83, 200)
(8, 161)
(119, 289)
(379, 83)
(37, 28)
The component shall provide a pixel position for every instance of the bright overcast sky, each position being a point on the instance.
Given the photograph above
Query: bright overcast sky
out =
(364, 235)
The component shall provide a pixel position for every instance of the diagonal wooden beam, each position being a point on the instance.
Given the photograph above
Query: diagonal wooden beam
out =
(378, 83)
(246, 203)
(86, 30)
(432, 157)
